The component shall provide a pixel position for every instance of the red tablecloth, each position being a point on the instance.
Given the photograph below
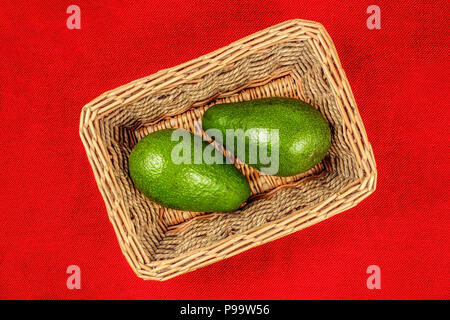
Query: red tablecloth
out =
(52, 214)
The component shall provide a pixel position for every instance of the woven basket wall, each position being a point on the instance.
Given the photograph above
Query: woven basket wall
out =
(294, 59)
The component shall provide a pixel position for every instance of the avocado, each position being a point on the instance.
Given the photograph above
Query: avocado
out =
(167, 166)
(292, 135)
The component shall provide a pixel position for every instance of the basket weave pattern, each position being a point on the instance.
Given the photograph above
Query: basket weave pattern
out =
(293, 59)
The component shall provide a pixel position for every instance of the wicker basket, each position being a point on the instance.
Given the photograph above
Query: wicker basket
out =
(294, 59)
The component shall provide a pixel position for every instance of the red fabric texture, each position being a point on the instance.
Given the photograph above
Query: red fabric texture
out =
(52, 214)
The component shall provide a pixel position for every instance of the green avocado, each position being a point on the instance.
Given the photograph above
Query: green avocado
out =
(170, 168)
(292, 135)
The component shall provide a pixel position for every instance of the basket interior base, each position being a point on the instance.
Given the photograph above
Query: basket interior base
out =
(283, 84)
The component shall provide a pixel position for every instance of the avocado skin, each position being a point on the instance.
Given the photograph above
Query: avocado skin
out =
(192, 187)
(304, 134)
